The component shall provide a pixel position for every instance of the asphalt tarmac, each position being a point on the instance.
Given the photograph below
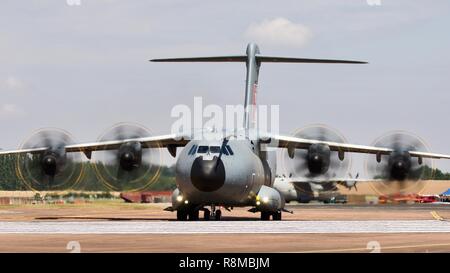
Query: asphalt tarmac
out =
(119, 227)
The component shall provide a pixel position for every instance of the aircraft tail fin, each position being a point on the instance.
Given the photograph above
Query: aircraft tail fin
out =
(253, 61)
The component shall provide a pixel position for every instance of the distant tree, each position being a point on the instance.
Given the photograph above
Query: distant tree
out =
(435, 174)
(9, 179)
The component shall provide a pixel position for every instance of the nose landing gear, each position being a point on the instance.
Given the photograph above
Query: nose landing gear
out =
(193, 214)
(214, 214)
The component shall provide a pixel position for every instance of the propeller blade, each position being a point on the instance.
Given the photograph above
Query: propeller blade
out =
(131, 167)
(402, 172)
(51, 169)
(299, 164)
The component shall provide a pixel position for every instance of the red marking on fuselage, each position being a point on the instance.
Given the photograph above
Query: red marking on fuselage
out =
(255, 87)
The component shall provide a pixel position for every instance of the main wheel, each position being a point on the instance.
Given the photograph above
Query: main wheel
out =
(206, 214)
(277, 216)
(193, 215)
(265, 216)
(181, 215)
(218, 215)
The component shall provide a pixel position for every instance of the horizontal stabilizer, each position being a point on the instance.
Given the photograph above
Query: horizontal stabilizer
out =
(268, 59)
(261, 59)
(242, 58)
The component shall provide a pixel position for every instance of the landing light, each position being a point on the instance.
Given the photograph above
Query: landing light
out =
(266, 199)
(258, 203)
(179, 198)
(186, 201)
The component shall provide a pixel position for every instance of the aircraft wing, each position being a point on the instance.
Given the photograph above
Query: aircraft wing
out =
(87, 148)
(301, 143)
(328, 180)
(349, 183)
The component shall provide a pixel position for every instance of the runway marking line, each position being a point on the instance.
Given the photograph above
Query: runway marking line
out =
(436, 216)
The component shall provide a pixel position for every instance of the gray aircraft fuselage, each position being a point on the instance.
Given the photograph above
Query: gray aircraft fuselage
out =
(204, 177)
(238, 176)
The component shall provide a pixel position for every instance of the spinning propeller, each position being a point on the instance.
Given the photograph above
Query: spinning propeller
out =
(317, 160)
(132, 167)
(51, 168)
(402, 172)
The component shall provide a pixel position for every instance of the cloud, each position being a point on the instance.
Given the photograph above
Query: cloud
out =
(12, 83)
(279, 31)
(10, 110)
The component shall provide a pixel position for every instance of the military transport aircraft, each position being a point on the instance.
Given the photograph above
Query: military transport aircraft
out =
(238, 169)
(304, 189)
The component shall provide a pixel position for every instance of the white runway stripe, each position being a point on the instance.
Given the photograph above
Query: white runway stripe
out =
(172, 227)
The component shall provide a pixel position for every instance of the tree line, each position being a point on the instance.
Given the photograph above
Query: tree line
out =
(10, 180)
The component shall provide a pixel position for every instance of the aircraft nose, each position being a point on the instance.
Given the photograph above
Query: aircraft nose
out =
(208, 175)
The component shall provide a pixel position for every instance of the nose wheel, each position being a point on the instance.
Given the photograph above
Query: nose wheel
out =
(193, 215)
(212, 214)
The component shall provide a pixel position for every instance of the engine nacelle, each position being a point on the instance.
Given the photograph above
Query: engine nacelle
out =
(269, 200)
(318, 158)
(130, 155)
(399, 165)
(52, 161)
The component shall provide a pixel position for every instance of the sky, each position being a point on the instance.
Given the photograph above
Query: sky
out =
(82, 65)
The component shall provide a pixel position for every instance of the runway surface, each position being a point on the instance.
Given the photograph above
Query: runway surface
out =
(124, 227)
(226, 227)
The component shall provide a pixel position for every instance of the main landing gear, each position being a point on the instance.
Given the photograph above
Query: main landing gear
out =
(265, 215)
(191, 214)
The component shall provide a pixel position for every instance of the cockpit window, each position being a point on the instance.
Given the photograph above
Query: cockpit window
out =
(192, 150)
(214, 149)
(225, 151)
(211, 149)
(229, 150)
(202, 149)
